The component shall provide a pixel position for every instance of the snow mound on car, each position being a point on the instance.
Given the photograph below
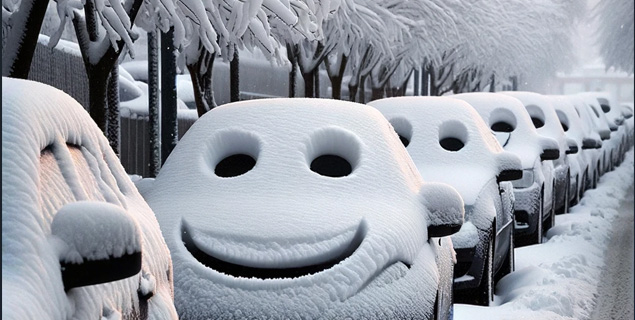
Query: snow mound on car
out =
(35, 116)
(282, 211)
(427, 121)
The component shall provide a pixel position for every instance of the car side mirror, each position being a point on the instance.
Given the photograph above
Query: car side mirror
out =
(588, 143)
(99, 242)
(550, 148)
(550, 154)
(509, 175)
(573, 147)
(445, 209)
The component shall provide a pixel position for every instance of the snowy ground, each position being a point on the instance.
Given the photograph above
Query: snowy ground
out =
(584, 270)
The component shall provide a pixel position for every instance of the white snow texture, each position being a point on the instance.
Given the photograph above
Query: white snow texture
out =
(282, 214)
(53, 154)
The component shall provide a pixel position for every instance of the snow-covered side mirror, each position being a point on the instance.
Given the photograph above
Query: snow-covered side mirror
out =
(510, 167)
(590, 143)
(550, 149)
(445, 207)
(573, 146)
(98, 242)
(550, 154)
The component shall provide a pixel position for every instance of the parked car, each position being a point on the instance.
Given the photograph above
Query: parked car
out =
(449, 143)
(579, 140)
(544, 118)
(78, 240)
(615, 120)
(510, 122)
(303, 208)
(609, 143)
(627, 112)
(593, 146)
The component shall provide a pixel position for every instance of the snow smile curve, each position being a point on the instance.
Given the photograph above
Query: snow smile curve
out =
(274, 259)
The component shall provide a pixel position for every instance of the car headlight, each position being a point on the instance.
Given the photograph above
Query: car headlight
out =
(526, 181)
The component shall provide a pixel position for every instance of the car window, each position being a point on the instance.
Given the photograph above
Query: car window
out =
(72, 174)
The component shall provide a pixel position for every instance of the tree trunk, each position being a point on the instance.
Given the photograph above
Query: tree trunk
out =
(97, 81)
(169, 124)
(336, 87)
(292, 55)
(336, 78)
(514, 83)
(352, 92)
(292, 79)
(308, 84)
(362, 89)
(153, 104)
(377, 93)
(434, 90)
(492, 85)
(416, 84)
(113, 133)
(98, 71)
(234, 81)
(425, 82)
(202, 83)
(22, 39)
(316, 82)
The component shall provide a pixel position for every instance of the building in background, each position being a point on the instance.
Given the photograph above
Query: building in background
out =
(594, 77)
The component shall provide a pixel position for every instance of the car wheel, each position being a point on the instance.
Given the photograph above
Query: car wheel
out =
(509, 263)
(485, 291)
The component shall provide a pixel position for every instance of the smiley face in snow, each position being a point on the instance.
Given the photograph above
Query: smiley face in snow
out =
(301, 208)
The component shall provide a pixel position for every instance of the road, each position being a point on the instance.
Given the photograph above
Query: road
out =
(615, 292)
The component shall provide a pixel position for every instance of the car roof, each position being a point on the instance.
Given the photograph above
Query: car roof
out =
(524, 140)
(539, 106)
(428, 120)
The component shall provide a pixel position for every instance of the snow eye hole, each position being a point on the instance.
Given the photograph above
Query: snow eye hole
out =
(404, 140)
(502, 126)
(451, 144)
(403, 129)
(537, 122)
(234, 165)
(564, 127)
(453, 135)
(564, 120)
(605, 108)
(331, 165)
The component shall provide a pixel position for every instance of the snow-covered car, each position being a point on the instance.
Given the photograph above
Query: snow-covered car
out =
(449, 143)
(300, 209)
(580, 162)
(544, 118)
(509, 121)
(609, 143)
(78, 240)
(627, 112)
(615, 120)
(591, 147)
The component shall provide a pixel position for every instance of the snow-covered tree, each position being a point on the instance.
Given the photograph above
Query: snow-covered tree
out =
(616, 32)
(506, 38)
(21, 23)
(239, 25)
